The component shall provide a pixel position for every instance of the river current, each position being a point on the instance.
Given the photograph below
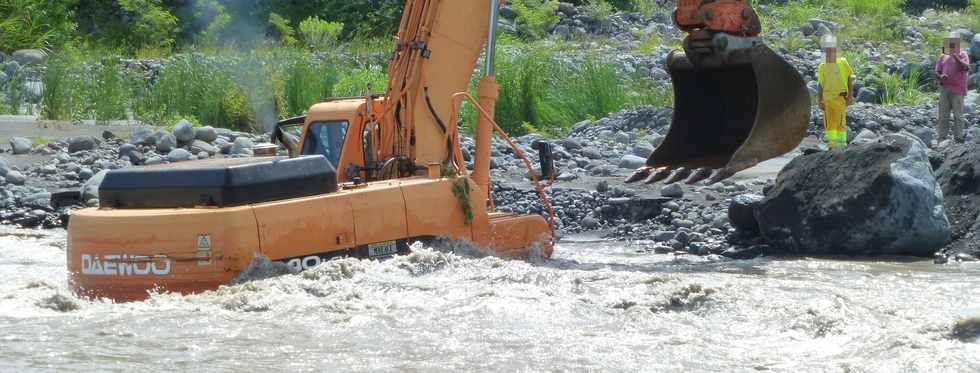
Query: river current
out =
(596, 306)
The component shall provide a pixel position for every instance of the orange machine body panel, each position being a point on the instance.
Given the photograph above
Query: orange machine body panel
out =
(125, 254)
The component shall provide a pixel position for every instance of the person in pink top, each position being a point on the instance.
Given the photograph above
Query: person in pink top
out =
(953, 69)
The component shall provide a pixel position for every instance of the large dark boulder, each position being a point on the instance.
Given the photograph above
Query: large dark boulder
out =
(959, 176)
(870, 199)
(741, 213)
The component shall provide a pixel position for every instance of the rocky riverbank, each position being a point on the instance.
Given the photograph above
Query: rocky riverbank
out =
(588, 194)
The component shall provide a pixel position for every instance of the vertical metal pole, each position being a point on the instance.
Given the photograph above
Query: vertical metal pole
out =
(492, 36)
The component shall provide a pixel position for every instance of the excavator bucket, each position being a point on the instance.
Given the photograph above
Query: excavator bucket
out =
(729, 116)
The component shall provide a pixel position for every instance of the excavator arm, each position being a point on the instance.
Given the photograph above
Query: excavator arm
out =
(736, 102)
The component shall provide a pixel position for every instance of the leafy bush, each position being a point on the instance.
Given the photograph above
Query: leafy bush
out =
(601, 10)
(35, 23)
(307, 82)
(285, 32)
(536, 18)
(217, 21)
(108, 91)
(61, 98)
(319, 34)
(151, 25)
(357, 82)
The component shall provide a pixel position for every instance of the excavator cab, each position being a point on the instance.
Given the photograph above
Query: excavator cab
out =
(736, 102)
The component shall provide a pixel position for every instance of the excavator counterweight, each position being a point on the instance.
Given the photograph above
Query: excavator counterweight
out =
(737, 103)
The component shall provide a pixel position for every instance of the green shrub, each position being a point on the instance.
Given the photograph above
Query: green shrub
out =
(287, 36)
(35, 23)
(536, 18)
(152, 24)
(218, 19)
(108, 91)
(319, 34)
(601, 10)
(525, 86)
(357, 82)
(592, 89)
(307, 82)
(906, 91)
(61, 99)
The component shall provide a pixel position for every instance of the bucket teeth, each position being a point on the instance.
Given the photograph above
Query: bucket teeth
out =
(700, 174)
(640, 174)
(681, 174)
(720, 174)
(660, 174)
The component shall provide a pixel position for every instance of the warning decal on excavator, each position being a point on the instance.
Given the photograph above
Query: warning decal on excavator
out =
(204, 249)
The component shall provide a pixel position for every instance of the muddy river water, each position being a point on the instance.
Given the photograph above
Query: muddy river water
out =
(598, 306)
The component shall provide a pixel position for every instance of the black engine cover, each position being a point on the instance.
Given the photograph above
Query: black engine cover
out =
(217, 182)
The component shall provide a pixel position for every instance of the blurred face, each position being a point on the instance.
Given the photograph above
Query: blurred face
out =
(952, 45)
(830, 54)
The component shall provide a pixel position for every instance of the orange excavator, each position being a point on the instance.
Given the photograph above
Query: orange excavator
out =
(366, 176)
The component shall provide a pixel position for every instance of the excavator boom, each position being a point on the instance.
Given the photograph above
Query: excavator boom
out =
(737, 103)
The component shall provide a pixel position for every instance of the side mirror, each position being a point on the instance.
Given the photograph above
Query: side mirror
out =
(546, 156)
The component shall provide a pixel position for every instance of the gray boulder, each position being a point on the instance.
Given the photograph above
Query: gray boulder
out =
(85, 174)
(15, 178)
(21, 145)
(77, 144)
(242, 146)
(865, 137)
(30, 56)
(959, 176)
(741, 212)
(224, 146)
(11, 68)
(184, 131)
(4, 167)
(206, 134)
(868, 95)
(630, 161)
(179, 155)
(924, 133)
(642, 149)
(199, 146)
(127, 150)
(142, 136)
(877, 199)
(90, 189)
(672, 190)
(165, 142)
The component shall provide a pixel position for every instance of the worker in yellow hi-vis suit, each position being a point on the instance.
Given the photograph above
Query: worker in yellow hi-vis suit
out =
(836, 92)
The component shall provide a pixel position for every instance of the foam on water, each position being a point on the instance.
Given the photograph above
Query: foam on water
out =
(595, 306)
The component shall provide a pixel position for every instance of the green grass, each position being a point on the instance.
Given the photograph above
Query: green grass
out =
(906, 91)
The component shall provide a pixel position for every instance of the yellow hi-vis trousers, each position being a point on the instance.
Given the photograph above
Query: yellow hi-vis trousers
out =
(835, 122)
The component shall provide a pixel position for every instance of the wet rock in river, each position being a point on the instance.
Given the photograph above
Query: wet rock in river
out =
(872, 199)
(741, 212)
(15, 178)
(21, 145)
(77, 144)
(90, 189)
(959, 176)
(672, 190)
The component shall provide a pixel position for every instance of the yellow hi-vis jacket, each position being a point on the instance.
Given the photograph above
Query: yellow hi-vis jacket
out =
(834, 84)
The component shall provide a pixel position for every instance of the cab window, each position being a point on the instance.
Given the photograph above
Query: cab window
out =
(326, 138)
